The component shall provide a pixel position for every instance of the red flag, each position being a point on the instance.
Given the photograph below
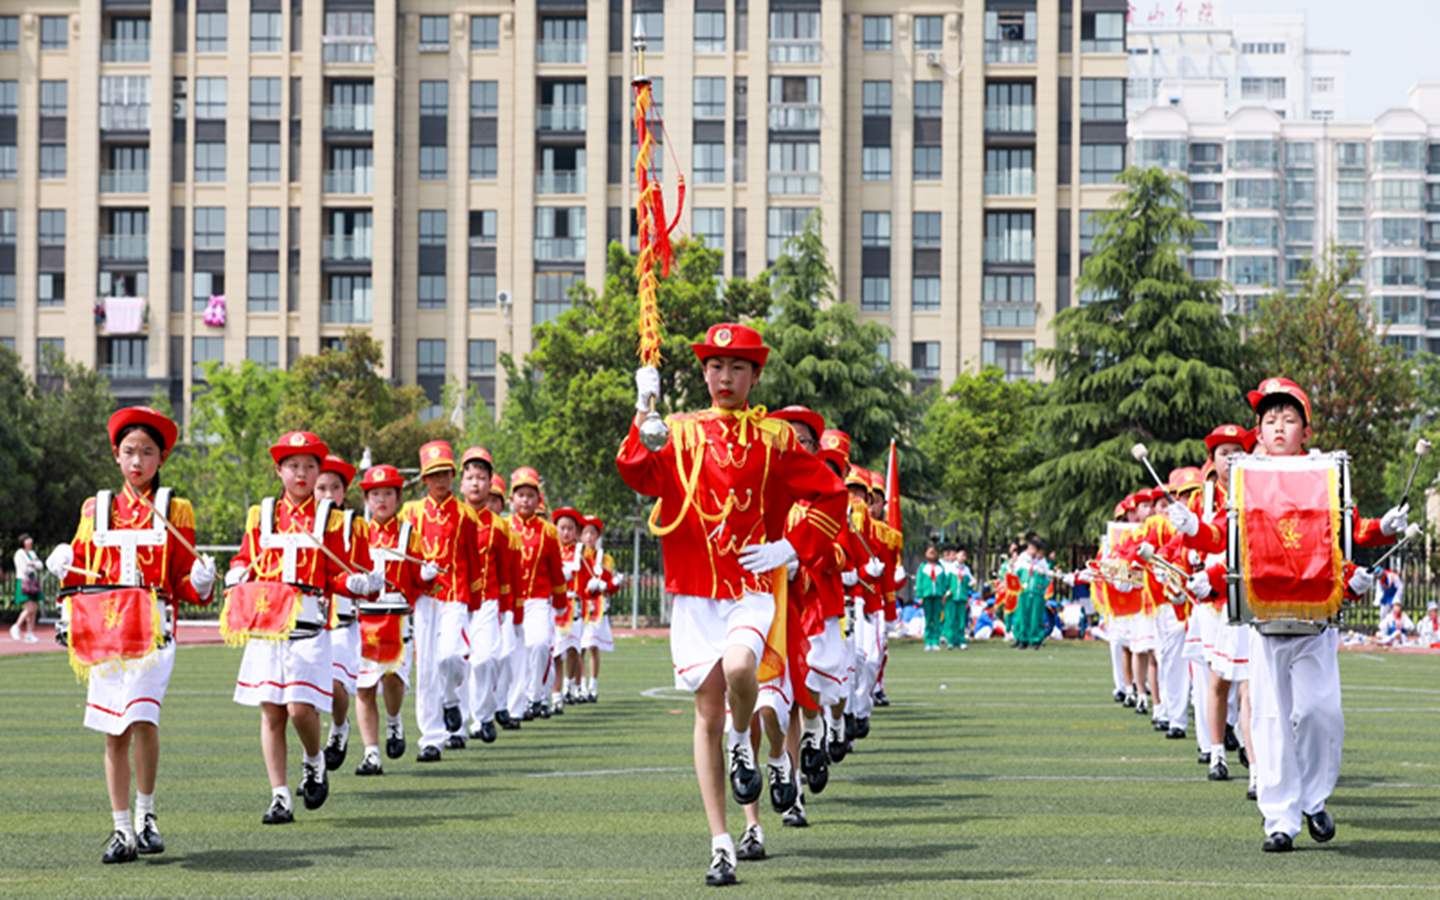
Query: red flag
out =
(892, 490)
(117, 629)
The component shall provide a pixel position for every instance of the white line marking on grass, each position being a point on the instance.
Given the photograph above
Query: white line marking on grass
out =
(593, 772)
(1227, 885)
(666, 693)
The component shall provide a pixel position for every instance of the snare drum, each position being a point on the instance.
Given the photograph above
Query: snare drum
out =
(1290, 521)
(387, 603)
(113, 626)
(273, 611)
(344, 611)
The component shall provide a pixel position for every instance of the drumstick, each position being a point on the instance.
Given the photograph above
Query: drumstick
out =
(330, 553)
(1422, 449)
(86, 572)
(166, 522)
(1411, 534)
(1139, 452)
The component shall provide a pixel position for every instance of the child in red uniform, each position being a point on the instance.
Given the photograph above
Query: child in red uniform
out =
(539, 587)
(726, 479)
(567, 621)
(602, 581)
(344, 633)
(493, 593)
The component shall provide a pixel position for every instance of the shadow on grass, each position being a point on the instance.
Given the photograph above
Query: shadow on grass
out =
(1388, 850)
(887, 852)
(417, 822)
(260, 860)
(905, 802)
(850, 878)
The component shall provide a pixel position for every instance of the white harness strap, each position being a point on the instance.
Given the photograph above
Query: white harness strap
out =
(290, 543)
(381, 555)
(128, 540)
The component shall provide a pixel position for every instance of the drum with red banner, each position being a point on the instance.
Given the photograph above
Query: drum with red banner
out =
(111, 628)
(384, 629)
(1290, 532)
(272, 611)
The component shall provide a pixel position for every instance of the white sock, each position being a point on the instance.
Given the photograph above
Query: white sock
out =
(837, 723)
(343, 729)
(283, 794)
(782, 762)
(144, 805)
(392, 721)
(317, 761)
(594, 685)
(723, 842)
(814, 725)
(555, 699)
(372, 751)
(123, 824)
(737, 738)
(1217, 753)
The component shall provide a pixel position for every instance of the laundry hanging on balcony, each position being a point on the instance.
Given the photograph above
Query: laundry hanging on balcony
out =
(215, 311)
(124, 315)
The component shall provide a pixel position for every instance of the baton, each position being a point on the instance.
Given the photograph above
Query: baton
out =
(1143, 455)
(1422, 449)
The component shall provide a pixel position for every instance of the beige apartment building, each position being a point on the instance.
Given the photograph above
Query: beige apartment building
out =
(443, 172)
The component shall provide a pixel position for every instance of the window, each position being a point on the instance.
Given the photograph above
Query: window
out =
(9, 98)
(263, 351)
(1009, 172)
(1102, 32)
(53, 98)
(481, 357)
(654, 25)
(434, 98)
(349, 37)
(709, 98)
(210, 98)
(1253, 154)
(7, 226)
(1102, 98)
(1164, 154)
(928, 97)
(795, 102)
(1350, 154)
(875, 163)
(209, 162)
(1299, 231)
(264, 98)
(1009, 106)
(481, 291)
(877, 32)
(209, 228)
(925, 358)
(484, 161)
(1254, 193)
(927, 229)
(52, 160)
(210, 32)
(7, 296)
(709, 226)
(9, 32)
(1100, 163)
(351, 299)
(484, 32)
(433, 163)
(264, 227)
(51, 289)
(709, 31)
(781, 224)
(430, 357)
(709, 164)
(265, 34)
(434, 34)
(45, 348)
(1010, 237)
(552, 294)
(1322, 115)
(264, 161)
(432, 227)
(1322, 85)
(1404, 233)
(431, 292)
(1350, 232)
(484, 98)
(929, 32)
(1010, 36)
(560, 232)
(1300, 154)
(794, 167)
(925, 293)
(1262, 88)
(794, 36)
(1012, 357)
(262, 292)
(1252, 232)
(52, 227)
(1400, 310)
(875, 98)
(1252, 271)
(55, 32)
(874, 229)
(203, 350)
(123, 357)
(1406, 271)
(1406, 155)
(1009, 301)
(1262, 48)
(1205, 269)
(927, 164)
(875, 293)
(204, 286)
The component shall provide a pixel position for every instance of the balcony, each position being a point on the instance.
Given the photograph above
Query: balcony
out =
(560, 248)
(1009, 118)
(345, 312)
(347, 247)
(797, 117)
(1014, 183)
(125, 246)
(783, 182)
(783, 51)
(564, 51)
(125, 117)
(345, 48)
(350, 181)
(345, 117)
(125, 51)
(121, 371)
(1009, 51)
(569, 117)
(560, 182)
(1010, 250)
(125, 181)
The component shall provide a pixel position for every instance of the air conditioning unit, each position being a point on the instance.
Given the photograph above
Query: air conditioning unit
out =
(506, 299)
(932, 58)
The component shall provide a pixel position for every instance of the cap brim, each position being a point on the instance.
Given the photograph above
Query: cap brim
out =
(757, 355)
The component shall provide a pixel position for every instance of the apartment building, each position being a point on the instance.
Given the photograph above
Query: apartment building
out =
(442, 173)
(1272, 192)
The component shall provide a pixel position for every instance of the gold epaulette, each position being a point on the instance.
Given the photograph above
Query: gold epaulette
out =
(252, 519)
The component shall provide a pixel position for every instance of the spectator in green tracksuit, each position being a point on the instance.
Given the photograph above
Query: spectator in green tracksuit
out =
(1034, 572)
(957, 604)
(931, 586)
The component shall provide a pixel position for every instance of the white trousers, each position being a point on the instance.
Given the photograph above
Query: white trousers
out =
(484, 660)
(1174, 674)
(1297, 725)
(868, 654)
(515, 693)
(439, 670)
(539, 648)
(1117, 665)
(1200, 690)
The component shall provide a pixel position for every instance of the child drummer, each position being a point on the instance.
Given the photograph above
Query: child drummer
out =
(123, 540)
(344, 632)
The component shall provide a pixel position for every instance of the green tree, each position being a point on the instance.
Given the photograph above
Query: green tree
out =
(1325, 337)
(981, 429)
(1150, 359)
(18, 462)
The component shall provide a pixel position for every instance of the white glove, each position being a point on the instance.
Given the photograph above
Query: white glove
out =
(791, 568)
(572, 595)
(236, 575)
(617, 579)
(429, 571)
(1185, 521)
(1362, 582)
(874, 568)
(377, 581)
(1199, 584)
(849, 578)
(899, 573)
(595, 585)
(202, 576)
(359, 583)
(570, 567)
(60, 559)
(647, 385)
(1195, 558)
(762, 558)
(1395, 521)
(1069, 579)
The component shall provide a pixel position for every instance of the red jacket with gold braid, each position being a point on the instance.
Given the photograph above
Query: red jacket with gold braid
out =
(540, 571)
(164, 566)
(492, 534)
(448, 538)
(312, 567)
(725, 481)
(400, 575)
(592, 606)
(817, 584)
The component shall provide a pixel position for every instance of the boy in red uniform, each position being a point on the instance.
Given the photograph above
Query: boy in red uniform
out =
(493, 595)
(726, 479)
(344, 634)
(539, 588)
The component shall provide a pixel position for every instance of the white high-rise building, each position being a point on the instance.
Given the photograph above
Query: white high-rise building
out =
(1262, 60)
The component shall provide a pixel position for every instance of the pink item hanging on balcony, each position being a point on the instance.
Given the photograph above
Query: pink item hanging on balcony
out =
(215, 311)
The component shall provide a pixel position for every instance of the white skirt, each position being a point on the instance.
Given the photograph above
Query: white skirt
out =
(597, 634)
(345, 655)
(118, 700)
(776, 694)
(1232, 652)
(283, 672)
(829, 675)
(371, 671)
(702, 628)
(1144, 637)
(566, 640)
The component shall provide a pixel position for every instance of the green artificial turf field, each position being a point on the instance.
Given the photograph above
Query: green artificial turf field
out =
(995, 773)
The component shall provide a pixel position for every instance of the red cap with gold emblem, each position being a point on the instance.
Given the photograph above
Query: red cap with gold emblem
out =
(339, 466)
(144, 415)
(1230, 434)
(595, 522)
(436, 456)
(1186, 479)
(1271, 386)
(570, 511)
(497, 485)
(382, 476)
(1130, 502)
(877, 482)
(297, 442)
(858, 477)
(802, 414)
(835, 446)
(478, 454)
(1120, 510)
(730, 339)
(525, 477)
(1149, 495)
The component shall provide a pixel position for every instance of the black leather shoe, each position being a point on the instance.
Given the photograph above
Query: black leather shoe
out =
(120, 849)
(1118, 696)
(335, 752)
(1160, 724)
(1219, 771)
(395, 746)
(850, 731)
(835, 745)
(1322, 826)
(745, 780)
(278, 813)
(314, 786)
(148, 840)
(812, 754)
(862, 728)
(1251, 795)
(722, 870)
(1232, 743)
(370, 766)
(881, 699)
(452, 718)
(455, 742)
(1244, 758)
(529, 714)
(751, 845)
(502, 716)
(487, 732)
(542, 710)
(1175, 734)
(510, 724)
(429, 754)
(795, 816)
(1279, 842)
(783, 790)
(1204, 759)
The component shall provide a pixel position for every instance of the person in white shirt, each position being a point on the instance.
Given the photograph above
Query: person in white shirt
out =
(28, 569)
(1394, 628)
(1430, 625)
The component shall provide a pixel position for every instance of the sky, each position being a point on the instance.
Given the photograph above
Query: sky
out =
(1392, 44)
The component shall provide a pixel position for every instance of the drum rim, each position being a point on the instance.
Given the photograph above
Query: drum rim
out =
(74, 589)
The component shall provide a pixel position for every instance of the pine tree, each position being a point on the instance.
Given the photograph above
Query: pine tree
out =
(1151, 359)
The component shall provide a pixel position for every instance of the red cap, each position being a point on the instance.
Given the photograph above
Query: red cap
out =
(570, 511)
(1149, 495)
(594, 522)
(858, 476)
(476, 453)
(144, 415)
(835, 445)
(524, 476)
(877, 483)
(1186, 479)
(802, 414)
(436, 456)
(339, 466)
(382, 476)
(297, 442)
(730, 339)
(1230, 434)
(497, 485)
(1120, 510)
(1279, 386)
(1130, 502)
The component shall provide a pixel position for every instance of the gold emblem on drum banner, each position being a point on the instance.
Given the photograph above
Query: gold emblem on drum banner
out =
(262, 601)
(1289, 533)
(110, 608)
(372, 638)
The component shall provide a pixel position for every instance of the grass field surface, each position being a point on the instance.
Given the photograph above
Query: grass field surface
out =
(996, 773)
